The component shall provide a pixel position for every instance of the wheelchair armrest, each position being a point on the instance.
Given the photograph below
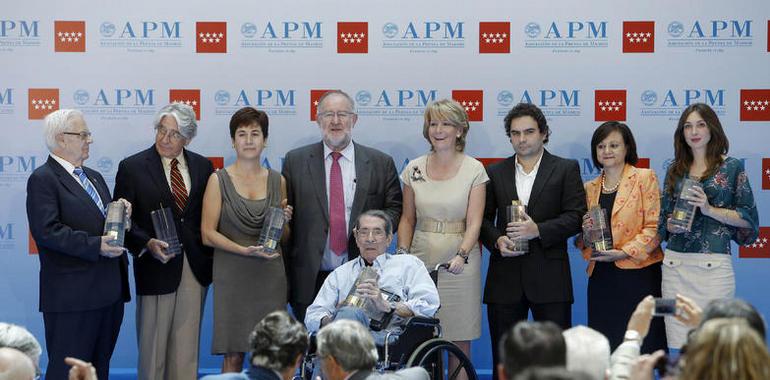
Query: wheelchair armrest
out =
(422, 321)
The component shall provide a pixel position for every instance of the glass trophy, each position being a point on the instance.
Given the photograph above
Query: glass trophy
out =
(684, 212)
(116, 224)
(598, 234)
(272, 228)
(516, 213)
(366, 304)
(165, 230)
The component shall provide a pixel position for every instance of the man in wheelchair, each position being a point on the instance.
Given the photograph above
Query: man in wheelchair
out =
(379, 290)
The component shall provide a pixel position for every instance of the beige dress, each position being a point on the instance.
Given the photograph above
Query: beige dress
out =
(447, 201)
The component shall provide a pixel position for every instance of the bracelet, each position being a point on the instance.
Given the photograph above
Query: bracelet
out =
(462, 253)
(402, 251)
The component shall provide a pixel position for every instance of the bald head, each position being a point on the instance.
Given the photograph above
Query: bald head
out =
(14, 365)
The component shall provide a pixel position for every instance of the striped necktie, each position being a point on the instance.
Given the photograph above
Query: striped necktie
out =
(89, 187)
(178, 188)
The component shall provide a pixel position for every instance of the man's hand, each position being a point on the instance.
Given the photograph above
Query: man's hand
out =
(369, 289)
(80, 370)
(158, 249)
(642, 316)
(504, 244)
(107, 250)
(688, 312)
(526, 230)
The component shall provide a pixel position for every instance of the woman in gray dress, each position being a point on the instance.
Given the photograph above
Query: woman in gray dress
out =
(249, 282)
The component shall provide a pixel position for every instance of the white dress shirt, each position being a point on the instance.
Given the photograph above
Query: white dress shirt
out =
(404, 275)
(524, 181)
(347, 162)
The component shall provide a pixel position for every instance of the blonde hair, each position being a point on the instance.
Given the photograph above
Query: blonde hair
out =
(450, 111)
(726, 349)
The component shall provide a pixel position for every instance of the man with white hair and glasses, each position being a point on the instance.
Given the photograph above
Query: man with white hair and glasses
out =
(170, 285)
(83, 279)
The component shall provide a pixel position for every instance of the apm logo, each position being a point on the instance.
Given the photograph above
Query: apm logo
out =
(568, 36)
(7, 238)
(19, 33)
(115, 102)
(552, 101)
(427, 36)
(710, 36)
(6, 101)
(282, 36)
(670, 102)
(138, 35)
(394, 104)
(275, 102)
(14, 170)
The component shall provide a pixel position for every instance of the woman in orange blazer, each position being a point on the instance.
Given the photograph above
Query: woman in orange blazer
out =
(619, 278)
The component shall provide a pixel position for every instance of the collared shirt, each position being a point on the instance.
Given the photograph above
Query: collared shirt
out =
(182, 169)
(347, 163)
(524, 181)
(71, 169)
(404, 275)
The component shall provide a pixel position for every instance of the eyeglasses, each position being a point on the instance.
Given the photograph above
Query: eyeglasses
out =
(85, 135)
(342, 115)
(364, 233)
(163, 132)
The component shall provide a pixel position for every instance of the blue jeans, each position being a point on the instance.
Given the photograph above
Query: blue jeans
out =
(356, 314)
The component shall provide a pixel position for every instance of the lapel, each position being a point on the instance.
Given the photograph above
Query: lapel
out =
(75, 188)
(509, 181)
(543, 174)
(315, 167)
(194, 177)
(363, 177)
(627, 185)
(154, 167)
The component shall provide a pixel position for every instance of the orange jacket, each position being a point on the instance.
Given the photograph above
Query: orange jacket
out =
(634, 218)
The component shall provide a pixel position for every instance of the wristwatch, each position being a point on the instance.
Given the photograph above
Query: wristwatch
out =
(461, 252)
(632, 335)
(402, 251)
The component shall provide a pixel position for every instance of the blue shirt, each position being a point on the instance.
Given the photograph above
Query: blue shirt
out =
(404, 275)
(728, 188)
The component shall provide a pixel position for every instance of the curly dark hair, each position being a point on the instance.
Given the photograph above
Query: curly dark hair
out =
(531, 110)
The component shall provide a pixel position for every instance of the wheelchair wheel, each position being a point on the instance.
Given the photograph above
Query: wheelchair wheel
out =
(433, 355)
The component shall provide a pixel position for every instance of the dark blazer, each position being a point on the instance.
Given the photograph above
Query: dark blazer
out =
(557, 204)
(377, 187)
(67, 227)
(142, 181)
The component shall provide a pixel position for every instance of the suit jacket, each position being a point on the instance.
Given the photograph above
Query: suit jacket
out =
(142, 181)
(377, 187)
(557, 205)
(67, 227)
(635, 216)
(414, 373)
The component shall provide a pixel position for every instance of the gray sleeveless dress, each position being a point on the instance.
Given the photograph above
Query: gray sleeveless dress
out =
(245, 288)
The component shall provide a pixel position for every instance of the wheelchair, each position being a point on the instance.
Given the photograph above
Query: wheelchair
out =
(420, 344)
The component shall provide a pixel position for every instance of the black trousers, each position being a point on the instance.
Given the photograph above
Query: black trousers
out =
(299, 309)
(503, 316)
(87, 335)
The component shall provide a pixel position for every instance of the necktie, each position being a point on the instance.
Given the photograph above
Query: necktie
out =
(178, 188)
(337, 229)
(89, 187)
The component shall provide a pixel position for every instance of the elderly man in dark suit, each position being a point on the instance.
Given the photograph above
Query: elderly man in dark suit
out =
(552, 191)
(83, 279)
(329, 184)
(171, 289)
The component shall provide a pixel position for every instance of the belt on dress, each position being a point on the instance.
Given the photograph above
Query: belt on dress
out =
(441, 226)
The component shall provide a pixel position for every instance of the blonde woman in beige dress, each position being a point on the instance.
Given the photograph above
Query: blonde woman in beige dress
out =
(444, 193)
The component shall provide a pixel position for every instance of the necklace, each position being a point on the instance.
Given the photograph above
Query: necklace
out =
(607, 190)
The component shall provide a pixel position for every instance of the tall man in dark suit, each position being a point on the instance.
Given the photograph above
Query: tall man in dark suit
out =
(551, 189)
(171, 289)
(83, 279)
(329, 184)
